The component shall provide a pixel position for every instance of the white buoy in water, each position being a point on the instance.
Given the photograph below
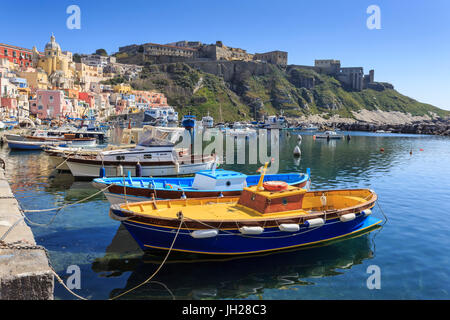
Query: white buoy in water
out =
(297, 151)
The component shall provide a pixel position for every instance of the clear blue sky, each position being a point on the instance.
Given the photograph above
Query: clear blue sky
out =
(411, 50)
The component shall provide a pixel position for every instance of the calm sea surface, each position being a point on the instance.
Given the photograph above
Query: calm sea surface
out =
(411, 249)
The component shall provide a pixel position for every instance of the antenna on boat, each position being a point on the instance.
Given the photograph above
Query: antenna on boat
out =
(261, 179)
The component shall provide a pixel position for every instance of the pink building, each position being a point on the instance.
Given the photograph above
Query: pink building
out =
(8, 106)
(51, 104)
(121, 105)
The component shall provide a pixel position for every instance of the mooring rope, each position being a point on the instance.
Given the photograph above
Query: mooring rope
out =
(16, 245)
(160, 266)
(70, 204)
(384, 215)
(59, 166)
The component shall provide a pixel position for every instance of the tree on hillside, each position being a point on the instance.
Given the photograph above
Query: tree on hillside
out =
(101, 52)
(76, 58)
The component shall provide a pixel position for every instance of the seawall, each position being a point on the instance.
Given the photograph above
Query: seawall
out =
(25, 273)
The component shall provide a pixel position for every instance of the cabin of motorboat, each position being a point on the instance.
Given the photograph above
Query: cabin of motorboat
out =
(223, 180)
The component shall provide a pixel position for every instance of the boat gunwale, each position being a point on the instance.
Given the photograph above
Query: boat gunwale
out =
(82, 159)
(59, 138)
(263, 220)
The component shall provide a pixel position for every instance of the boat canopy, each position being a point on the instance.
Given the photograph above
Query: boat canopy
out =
(160, 136)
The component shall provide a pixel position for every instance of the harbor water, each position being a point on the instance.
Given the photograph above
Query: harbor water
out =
(410, 251)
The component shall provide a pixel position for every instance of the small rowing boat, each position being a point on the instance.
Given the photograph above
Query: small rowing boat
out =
(260, 220)
(206, 183)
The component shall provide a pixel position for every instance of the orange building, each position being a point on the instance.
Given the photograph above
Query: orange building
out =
(153, 99)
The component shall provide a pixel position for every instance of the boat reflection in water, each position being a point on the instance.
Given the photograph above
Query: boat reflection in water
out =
(189, 276)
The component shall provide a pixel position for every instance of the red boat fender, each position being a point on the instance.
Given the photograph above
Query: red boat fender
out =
(275, 185)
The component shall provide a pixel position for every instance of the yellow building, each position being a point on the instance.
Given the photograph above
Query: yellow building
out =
(122, 88)
(37, 79)
(54, 59)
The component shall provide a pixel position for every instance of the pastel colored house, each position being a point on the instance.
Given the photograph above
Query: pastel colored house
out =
(122, 88)
(87, 97)
(51, 104)
(7, 89)
(17, 55)
(8, 106)
(153, 99)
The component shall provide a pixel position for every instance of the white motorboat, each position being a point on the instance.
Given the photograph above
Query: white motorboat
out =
(239, 130)
(329, 135)
(162, 116)
(310, 127)
(208, 121)
(154, 155)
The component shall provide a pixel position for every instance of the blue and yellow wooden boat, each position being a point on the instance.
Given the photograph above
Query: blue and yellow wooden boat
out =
(259, 220)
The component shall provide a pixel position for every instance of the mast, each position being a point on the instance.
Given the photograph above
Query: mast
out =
(261, 179)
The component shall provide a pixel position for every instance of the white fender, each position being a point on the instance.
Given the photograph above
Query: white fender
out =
(201, 234)
(312, 223)
(119, 171)
(289, 227)
(366, 212)
(347, 217)
(251, 230)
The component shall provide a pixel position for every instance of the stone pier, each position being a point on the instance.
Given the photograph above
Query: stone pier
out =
(24, 273)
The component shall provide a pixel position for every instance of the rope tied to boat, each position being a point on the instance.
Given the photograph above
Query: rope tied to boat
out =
(22, 245)
(67, 157)
(181, 218)
(71, 204)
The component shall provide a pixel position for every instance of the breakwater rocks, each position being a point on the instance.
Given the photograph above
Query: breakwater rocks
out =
(435, 127)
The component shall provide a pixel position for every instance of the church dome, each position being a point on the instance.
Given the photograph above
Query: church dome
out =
(52, 45)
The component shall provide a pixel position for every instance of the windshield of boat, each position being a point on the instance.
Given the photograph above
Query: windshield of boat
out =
(160, 136)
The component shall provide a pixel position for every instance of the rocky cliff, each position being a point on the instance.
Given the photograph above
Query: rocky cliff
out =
(236, 90)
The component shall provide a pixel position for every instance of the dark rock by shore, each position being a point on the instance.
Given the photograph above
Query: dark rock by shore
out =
(436, 127)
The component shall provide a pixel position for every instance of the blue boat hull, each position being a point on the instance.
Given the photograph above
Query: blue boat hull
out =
(231, 242)
(19, 146)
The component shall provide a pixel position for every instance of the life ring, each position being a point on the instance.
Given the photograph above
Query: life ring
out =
(275, 185)
(169, 186)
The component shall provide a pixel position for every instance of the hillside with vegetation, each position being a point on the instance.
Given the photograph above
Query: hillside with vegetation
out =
(239, 90)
